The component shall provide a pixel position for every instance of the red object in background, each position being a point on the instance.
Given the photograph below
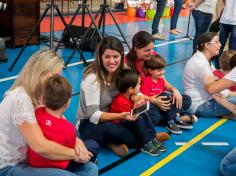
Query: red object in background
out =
(171, 11)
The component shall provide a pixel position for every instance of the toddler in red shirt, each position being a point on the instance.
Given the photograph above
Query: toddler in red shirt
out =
(141, 127)
(225, 66)
(155, 85)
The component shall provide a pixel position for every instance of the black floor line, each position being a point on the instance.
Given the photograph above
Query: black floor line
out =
(118, 162)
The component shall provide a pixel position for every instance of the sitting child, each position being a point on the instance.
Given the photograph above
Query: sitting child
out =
(154, 85)
(140, 126)
(225, 66)
(56, 97)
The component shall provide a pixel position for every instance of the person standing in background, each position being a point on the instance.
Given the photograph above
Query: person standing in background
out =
(202, 11)
(227, 27)
(159, 12)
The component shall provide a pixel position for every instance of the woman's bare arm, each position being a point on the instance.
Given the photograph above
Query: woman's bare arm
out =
(217, 86)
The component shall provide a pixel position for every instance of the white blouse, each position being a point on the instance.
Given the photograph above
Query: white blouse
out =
(15, 108)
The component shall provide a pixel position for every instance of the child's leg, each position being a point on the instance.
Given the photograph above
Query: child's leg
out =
(170, 116)
(145, 134)
(139, 130)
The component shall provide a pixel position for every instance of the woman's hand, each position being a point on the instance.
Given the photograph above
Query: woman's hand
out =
(219, 98)
(161, 102)
(127, 116)
(177, 98)
(81, 151)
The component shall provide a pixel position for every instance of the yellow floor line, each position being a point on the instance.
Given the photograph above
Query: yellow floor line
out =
(183, 148)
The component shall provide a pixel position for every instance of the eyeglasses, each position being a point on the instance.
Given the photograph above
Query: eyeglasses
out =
(214, 42)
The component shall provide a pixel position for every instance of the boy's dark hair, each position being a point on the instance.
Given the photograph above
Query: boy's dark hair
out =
(155, 62)
(127, 79)
(56, 92)
(225, 60)
(233, 62)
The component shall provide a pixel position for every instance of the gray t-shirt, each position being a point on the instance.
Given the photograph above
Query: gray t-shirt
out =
(92, 102)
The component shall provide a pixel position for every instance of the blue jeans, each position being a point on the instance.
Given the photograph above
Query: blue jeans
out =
(226, 31)
(88, 169)
(228, 164)
(212, 109)
(177, 9)
(159, 11)
(202, 22)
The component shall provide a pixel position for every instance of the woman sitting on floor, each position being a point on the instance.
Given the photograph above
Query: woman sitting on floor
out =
(196, 72)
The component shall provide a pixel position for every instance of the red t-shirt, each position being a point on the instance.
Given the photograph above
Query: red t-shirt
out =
(120, 104)
(151, 88)
(220, 75)
(58, 130)
(139, 68)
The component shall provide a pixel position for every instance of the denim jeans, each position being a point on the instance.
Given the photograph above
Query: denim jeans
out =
(226, 31)
(177, 9)
(212, 109)
(202, 22)
(89, 169)
(228, 164)
(159, 11)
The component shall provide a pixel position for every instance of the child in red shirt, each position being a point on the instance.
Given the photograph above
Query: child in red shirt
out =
(56, 97)
(154, 85)
(140, 126)
(225, 66)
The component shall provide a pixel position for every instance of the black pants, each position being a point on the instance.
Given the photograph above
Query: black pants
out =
(158, 116)
(134, 134)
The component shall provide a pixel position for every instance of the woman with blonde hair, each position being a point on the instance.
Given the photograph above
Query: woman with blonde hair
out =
(19, 128)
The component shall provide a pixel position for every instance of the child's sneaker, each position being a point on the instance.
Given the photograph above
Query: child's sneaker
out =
(159, 145)
(173, 128)
(184, 125)
(150, 149)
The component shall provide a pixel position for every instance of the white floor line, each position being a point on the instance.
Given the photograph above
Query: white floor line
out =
(180, 143)
(206, 143)
(8, 78)
(80, 62)
(215, 143)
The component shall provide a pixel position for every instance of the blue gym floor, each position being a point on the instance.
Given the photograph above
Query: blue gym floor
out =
(193, 158)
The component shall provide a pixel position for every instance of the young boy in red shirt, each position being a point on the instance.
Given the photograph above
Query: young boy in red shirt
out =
(140, 126)
(56, 98)
(155, 85)
(225, 66)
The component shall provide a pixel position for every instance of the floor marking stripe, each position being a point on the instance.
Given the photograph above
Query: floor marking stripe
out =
(206, 143)
(80, 62)
(180, 143)
(215, 143)
(183, 148)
